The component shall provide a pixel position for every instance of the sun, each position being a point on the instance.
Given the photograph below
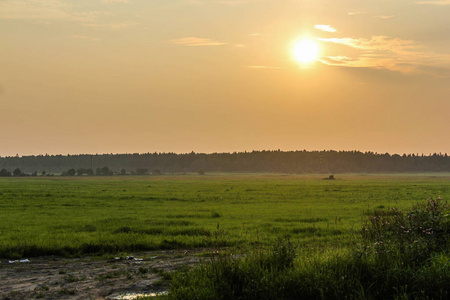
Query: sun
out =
(305, 51)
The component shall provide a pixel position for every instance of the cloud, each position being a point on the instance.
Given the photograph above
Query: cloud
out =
(195, 41)
(380, 43)
(435, 2)
(395, 54)
(326, 28)
(354, 13)
(44, 10)
(58, 11)
(383, 17)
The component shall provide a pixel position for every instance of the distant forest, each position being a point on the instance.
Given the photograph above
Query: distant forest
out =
(299, 162)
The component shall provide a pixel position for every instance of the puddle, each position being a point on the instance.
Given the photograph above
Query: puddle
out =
(19, 261)
(132, 296)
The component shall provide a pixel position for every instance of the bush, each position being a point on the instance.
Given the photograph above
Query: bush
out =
(409, 237)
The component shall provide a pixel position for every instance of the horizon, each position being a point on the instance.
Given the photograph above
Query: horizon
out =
(17, 155)
(219, 76)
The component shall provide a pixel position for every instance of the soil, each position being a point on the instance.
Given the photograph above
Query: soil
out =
(92, 278)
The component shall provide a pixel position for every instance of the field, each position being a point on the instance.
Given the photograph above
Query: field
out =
(97, 215)
(179, 220)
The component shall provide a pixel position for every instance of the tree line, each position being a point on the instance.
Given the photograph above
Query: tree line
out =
(255, 161)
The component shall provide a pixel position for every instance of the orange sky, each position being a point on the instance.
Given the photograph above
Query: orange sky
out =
(123, 76)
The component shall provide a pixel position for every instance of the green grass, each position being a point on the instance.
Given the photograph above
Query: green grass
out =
(78, 216)
(403, 255)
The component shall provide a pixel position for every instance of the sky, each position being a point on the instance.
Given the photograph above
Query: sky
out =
(138, 76)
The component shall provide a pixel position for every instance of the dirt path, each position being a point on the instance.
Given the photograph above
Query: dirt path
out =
(91, 278)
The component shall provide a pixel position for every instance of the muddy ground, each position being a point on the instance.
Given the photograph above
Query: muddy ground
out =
(92, 278)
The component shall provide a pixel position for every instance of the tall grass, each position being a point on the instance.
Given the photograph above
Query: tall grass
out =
(408, 259)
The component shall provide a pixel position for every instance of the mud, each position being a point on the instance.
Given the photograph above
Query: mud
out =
(92, 278)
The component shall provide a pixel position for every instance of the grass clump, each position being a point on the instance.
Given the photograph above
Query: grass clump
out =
(408, 238)
(401, 256)
(215, 214)
(230, 278)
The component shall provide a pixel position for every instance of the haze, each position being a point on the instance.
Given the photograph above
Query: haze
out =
(124, 76)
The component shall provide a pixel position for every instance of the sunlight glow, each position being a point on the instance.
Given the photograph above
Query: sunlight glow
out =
(305, 51)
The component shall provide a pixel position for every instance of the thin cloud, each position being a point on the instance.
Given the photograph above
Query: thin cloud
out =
(341, 59)
(395, 54)
(44, 10)
(195, 41)
(375, 43)
(326, 28)
(354, 13)
(383, 17)
(436, 2)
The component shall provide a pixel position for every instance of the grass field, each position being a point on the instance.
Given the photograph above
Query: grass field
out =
(98, 215)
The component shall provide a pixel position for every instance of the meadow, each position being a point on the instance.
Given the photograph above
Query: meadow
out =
(79, 216)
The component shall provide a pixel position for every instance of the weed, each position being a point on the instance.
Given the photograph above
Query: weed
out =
(67, 291)
(110, 275)
(158, 283)
(215, 214)
(42, 287)
(123, 229)
(73, 278)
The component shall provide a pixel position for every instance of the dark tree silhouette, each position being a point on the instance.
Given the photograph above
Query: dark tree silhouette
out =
(17, 172)
(324, 162)
(5, 173)
(141, 171)
(106, 171)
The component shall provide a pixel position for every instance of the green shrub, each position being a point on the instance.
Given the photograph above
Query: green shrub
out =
(408, 237)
